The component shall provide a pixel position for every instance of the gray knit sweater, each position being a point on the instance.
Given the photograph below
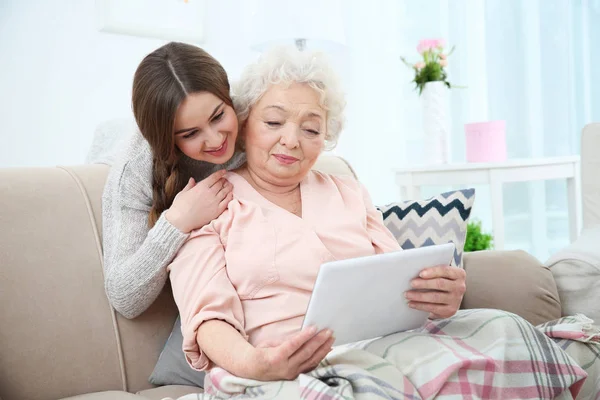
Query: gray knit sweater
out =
(136, 257)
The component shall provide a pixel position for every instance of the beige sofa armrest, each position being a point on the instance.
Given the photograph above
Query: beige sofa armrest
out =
(512, 281)
(576, 270)
(334, 165)
(590, 179)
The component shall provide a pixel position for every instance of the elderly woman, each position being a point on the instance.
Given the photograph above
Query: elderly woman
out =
(243, 282)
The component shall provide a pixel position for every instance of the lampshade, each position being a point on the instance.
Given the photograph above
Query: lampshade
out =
(316, 23)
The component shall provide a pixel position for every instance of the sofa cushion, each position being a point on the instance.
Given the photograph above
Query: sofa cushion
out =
(576, 270)
(108, 395)
(171, 391)
(141, 339)
(437, 220)
(172, 368)
(58, 336)
(512, 281)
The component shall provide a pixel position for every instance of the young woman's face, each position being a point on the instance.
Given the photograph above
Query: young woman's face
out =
(206, 128)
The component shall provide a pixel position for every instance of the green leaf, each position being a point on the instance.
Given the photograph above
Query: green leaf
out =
(432, 72)
(476, 239)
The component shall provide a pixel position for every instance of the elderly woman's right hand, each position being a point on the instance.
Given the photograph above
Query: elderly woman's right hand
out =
(199, 203)
(287, 358)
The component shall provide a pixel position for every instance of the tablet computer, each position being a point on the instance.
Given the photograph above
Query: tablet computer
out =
(363, 298)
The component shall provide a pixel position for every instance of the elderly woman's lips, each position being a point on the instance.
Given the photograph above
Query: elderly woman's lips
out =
(282, 158)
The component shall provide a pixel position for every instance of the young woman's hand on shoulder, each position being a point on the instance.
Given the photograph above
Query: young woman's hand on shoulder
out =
(199, 203)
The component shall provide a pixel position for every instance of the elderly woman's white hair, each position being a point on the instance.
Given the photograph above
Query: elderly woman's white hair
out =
(287, 65)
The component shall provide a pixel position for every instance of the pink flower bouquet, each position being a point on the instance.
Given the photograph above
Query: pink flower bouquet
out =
(435, 59)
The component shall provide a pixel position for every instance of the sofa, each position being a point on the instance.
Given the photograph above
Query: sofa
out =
(59, 336)
(576, 268)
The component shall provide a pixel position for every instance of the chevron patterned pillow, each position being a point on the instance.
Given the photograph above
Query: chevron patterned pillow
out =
(438, 220)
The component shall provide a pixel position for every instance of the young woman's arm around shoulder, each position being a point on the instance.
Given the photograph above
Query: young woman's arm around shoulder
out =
(136, 256)
(182, 106)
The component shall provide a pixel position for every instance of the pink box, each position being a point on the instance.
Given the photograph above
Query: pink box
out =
(486, 141)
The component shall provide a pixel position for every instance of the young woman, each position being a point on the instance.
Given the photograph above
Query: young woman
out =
(169, 179)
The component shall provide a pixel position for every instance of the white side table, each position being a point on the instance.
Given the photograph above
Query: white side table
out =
(410, 180)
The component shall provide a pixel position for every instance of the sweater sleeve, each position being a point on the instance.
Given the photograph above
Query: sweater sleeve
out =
(135, 257)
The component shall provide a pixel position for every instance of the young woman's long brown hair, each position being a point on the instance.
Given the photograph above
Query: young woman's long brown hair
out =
(162, 81)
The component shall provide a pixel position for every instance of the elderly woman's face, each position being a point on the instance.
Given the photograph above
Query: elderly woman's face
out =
(285, 133)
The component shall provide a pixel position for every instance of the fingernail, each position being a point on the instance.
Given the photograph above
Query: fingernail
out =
(312, 329)
(328, 333)
(424, 274)
(406, 295)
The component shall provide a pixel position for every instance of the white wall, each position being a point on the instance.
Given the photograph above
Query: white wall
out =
(60, 77)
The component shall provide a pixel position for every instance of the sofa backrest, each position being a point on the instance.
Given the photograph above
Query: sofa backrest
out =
(590, 175)
(59, 336)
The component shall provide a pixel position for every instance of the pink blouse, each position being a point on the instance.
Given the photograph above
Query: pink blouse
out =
(255, 265)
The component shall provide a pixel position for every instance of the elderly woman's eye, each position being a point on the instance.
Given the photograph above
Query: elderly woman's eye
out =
(273, 123)
(312, 131)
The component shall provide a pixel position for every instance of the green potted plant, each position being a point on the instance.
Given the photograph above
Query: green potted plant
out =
(477, 239)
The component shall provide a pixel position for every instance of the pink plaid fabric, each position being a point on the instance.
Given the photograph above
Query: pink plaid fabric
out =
(579, 338)
(576, 327)
(477, 354)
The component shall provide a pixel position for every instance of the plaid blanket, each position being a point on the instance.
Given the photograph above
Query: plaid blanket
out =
(580, 339)
(476, 354)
